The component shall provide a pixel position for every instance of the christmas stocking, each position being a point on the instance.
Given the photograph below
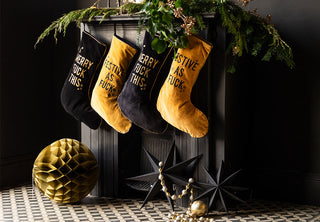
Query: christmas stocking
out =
(110, 83)
(135, 99)
(75, 94)
(174, 102)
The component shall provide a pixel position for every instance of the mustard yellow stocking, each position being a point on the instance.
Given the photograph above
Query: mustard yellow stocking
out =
(174, 102)
(110, 83)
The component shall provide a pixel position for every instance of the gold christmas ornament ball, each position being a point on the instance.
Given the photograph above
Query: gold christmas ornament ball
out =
(198, 208)
(65, 171)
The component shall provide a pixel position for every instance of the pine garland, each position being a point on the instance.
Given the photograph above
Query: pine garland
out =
(252, 34)
(77, 16)
(249, 33)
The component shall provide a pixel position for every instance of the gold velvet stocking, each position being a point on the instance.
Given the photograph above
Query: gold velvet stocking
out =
(110, 83)
(174, 102)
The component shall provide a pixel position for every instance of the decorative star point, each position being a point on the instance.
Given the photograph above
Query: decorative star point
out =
(170, 170)
(217, 187)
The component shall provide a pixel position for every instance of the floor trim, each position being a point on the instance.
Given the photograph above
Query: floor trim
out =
(16, 171)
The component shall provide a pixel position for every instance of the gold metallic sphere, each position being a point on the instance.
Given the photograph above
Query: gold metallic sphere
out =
(198, 208)
(65, 171)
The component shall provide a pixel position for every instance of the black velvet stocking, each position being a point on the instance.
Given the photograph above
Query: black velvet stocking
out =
(135, 100)
(75, 94)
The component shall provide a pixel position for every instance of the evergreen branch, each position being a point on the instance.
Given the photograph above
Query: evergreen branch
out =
(61, 24)
(249, 33)
(280, 49)
(107, 14)
(131, 8)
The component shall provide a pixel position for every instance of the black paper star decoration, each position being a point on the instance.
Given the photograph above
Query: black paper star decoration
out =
(173, 174)
(218, 188)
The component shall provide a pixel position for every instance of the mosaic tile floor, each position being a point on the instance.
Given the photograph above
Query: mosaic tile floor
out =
(27, 204)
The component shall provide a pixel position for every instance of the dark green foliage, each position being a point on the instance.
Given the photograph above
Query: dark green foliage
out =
(131, 8)
(248, 33)
(159, 45)
(251, 34)
(159, 21)
(77, 16)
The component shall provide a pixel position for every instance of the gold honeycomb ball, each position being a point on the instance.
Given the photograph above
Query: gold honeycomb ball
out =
(198, 208)
(65, 171)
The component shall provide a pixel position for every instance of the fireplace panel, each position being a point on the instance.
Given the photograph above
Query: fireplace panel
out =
(121, 156)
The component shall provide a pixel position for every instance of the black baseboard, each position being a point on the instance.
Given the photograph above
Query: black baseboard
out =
(311, 191)
(293, 186)
(16, 171)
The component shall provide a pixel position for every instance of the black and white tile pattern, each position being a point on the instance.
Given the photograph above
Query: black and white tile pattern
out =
(28, 204)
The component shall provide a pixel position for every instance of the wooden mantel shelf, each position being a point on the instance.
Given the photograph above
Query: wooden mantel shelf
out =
(128, 18)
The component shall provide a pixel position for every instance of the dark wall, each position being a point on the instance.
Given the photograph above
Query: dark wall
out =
(285, 108)
(31, 115)
(279, 107)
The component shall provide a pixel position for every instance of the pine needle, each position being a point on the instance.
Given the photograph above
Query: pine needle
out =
(61, 24)
(249, 33)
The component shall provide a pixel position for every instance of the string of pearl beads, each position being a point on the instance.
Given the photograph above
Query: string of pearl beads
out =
(188, 216)
(176, 217)
(165, 189)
